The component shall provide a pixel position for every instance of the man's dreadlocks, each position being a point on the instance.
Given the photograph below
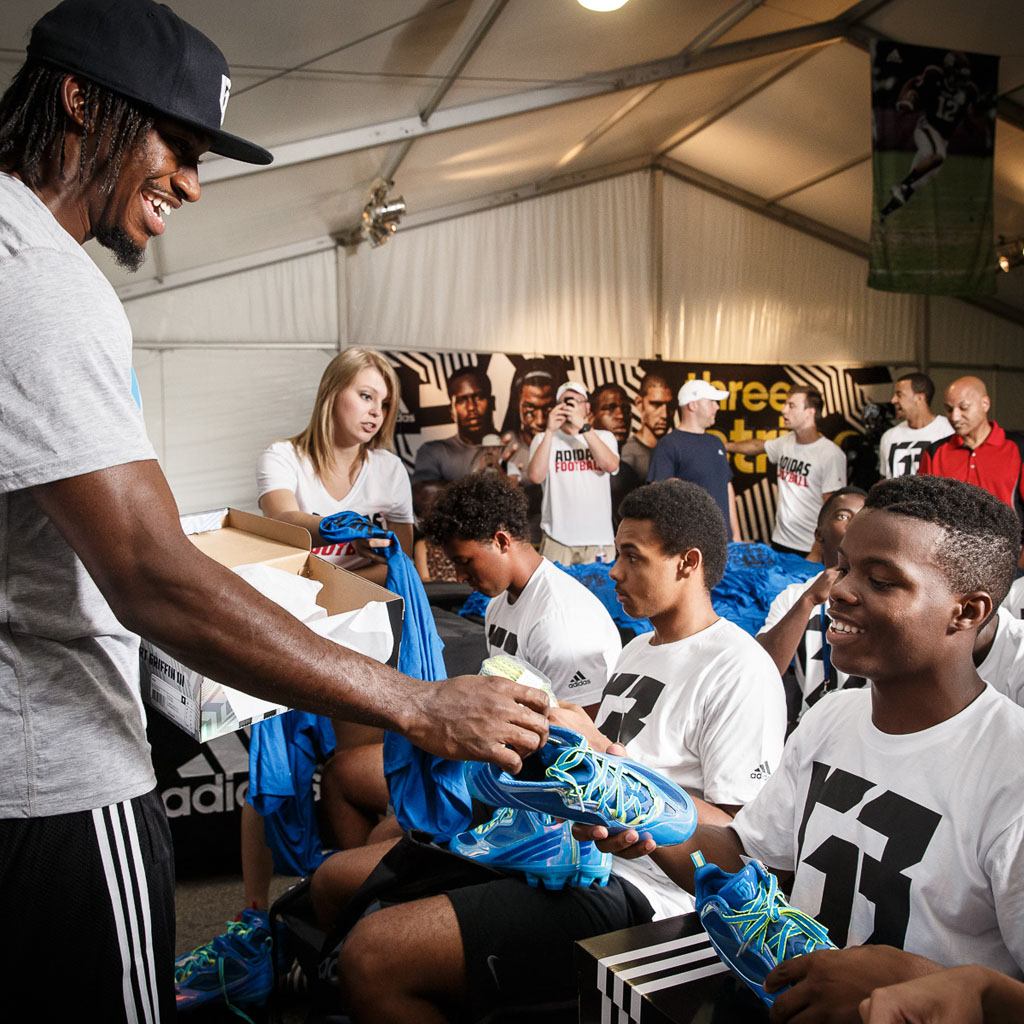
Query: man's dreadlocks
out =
(33, 125)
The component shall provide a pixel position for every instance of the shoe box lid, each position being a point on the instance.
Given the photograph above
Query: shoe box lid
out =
(665, 972)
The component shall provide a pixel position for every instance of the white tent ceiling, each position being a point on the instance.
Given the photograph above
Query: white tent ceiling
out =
(467, 104)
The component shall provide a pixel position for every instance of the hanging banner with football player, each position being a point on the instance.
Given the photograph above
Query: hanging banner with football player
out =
(933, 131)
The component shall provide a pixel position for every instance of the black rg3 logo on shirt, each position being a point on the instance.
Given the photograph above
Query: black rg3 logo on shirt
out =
(908, 829)
(623, 725)
(502, 639)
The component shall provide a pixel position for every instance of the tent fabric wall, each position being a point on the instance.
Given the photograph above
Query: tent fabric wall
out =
(210, 413)
(293, 301)
(569, 272)
(740, 287)
(230, 364)
(965, 334)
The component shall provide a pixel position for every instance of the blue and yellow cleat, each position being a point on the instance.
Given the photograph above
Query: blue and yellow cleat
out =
(750, 923)
(234, 969)
(566, 779)
(538, 846)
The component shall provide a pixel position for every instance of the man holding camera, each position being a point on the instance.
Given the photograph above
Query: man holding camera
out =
(574, 463)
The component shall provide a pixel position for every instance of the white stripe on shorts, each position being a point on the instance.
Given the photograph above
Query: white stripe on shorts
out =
(136, 948)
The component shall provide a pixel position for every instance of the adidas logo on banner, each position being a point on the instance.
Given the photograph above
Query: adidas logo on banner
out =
(579, 680)
(226, 759)
(762, 771)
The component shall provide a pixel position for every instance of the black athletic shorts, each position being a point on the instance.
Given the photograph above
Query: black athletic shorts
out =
(518, 941)
(88, 904)
(782, 549)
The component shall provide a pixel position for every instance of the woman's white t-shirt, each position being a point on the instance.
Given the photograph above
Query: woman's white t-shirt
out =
(381, 491)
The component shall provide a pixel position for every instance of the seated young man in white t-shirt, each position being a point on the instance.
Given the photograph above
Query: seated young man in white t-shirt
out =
(697, 699)
(897, 806)
(794, 631)
(796, 626)
(714, 721)
(537, 613)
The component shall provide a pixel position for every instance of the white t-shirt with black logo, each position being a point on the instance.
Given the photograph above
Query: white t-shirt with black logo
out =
(899, 451)
(914, 841)
(561, 629)
(709, 712)
(806, 472)
(577, 505)
(809, 660)
(382, 491)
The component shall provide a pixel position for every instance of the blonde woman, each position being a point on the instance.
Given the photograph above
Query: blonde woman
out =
(343, 461)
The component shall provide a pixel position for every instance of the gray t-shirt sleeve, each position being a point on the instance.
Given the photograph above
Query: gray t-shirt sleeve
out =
(428, 463)
(65, 361)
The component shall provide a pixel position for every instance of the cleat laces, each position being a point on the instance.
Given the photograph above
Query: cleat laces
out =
(212, 954)
(612, 789)
(766, 924)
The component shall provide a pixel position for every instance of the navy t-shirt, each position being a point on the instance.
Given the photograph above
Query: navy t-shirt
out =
(699, 458)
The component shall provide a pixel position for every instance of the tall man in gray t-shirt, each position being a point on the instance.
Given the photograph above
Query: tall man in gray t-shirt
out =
(100, 136)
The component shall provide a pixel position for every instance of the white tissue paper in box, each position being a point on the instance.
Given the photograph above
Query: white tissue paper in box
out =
(366, 630)
(295, 594)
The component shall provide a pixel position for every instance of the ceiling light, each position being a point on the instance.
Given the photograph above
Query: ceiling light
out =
(602, 5)
(1004, 263)
(381, 215)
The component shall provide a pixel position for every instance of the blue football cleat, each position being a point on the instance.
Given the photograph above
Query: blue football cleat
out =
(751, 925)
(543, 849)
(234, 969)
(566, 779)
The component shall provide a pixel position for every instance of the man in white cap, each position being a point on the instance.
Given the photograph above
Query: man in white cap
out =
(691, 454)
(574, 463)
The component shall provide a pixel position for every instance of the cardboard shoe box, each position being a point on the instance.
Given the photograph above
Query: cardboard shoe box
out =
(665, 972)
(205, 708)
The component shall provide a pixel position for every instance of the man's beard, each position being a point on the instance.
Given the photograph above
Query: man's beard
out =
(126, 253)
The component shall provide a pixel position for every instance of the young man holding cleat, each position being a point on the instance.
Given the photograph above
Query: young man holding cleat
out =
(492, 941)
(888, 805)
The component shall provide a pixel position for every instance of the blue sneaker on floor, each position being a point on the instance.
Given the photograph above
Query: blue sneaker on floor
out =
(543, 849)
(751, 925)
(234, 968)
(566, 779)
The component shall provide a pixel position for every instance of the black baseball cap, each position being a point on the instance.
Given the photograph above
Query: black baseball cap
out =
(144, 51)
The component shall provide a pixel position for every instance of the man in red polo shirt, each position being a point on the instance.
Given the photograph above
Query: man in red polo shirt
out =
(979, 451)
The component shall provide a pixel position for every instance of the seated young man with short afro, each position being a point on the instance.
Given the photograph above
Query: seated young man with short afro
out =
(537, 613)
(897, 806)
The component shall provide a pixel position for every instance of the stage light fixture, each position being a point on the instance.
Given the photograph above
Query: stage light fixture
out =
(1009, 254)
(381, 215)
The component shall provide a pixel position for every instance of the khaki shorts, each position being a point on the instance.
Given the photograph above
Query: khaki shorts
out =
(576, 555)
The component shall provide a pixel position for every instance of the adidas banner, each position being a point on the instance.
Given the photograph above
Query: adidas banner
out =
(933, 132)
(510, 396)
